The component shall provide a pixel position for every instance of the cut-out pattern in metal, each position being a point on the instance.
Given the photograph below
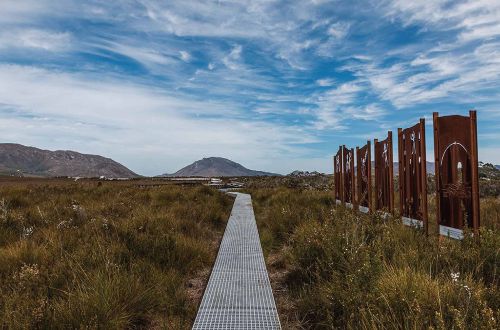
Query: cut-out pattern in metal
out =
(384, 183)
(457, 189)
(348, 175)
(364, 177)
(413, 175)
(338, 173)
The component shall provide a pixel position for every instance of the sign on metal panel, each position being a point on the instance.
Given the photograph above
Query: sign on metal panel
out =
(457, 189)
(337, 173)
(384, 183)
(413, 175)
(348, 175)
(364, 177)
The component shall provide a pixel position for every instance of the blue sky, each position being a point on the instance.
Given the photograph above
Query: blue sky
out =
(274, 85)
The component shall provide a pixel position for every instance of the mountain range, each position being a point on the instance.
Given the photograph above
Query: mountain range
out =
(216, 167)
(429, 167)
(17, 159)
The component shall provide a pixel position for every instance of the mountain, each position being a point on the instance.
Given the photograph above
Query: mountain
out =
(216, 166)
(429, 166)
(19, 159)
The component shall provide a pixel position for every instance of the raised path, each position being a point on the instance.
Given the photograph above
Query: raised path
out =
(238, 294)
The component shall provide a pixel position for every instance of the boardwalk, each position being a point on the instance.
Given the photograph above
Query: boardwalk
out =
(239, 295)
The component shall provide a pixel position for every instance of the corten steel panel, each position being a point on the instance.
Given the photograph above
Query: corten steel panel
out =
(413, 173)
(457, 190)
(364, 175)
(338, 171)
(384, 183)
(348, 175)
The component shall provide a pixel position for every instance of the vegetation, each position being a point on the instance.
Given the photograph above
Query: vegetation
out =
(333, 268)
(137, 254)
(317, 182)
(108, 256)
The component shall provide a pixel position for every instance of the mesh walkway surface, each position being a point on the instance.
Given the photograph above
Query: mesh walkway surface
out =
(238, 294)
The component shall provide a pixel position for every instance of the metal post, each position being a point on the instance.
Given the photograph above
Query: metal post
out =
(475, 183)
(370, 202)
(435, 117)
(391, 173)
(425, 217)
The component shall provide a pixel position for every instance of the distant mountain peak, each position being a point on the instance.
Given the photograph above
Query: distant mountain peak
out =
(19, 159)
(216, 167)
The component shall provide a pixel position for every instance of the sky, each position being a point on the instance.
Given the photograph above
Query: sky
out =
(273, 85)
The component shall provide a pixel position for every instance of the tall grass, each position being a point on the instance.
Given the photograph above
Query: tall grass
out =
(112, 256)
(333, 268)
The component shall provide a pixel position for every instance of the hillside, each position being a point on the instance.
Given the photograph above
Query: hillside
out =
(429, 166)
(18, 159)
(218, 167)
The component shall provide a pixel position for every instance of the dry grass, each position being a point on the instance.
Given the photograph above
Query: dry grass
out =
(128, 255)
(110, 256)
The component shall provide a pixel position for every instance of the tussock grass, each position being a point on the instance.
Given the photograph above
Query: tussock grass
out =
(333, 268)
(112, 256)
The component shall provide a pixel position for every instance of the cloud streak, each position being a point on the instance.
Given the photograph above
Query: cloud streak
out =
(273, 84)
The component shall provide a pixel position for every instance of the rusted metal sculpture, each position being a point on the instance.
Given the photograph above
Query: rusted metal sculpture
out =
(364, 177)
(348, 175)
(456, 161)
(338, 177)
(384, 182)
(413, 175)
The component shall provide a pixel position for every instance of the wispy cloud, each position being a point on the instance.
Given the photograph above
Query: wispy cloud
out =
(338, 30)
(35, 39)
(103, 116)
(260, 81)
(185, 56)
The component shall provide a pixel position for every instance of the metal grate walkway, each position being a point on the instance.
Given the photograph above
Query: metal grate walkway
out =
(238, 294)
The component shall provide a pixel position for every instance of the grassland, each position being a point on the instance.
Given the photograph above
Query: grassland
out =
(109, 256)
(333, 268)
(137, 254)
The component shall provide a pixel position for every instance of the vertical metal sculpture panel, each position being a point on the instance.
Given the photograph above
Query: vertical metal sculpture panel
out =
(338, 177)
(348, 176)
(364, 177)
(413, 175)
(457, 189)
(384, 183)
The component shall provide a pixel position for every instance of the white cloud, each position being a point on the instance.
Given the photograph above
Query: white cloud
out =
(325, 82)
(63, 111)
(233, 58)
(36, 39)
(147, 56)
(185, 56)
(254, 60)
(338, 30)
(477, 19)
(336, 105)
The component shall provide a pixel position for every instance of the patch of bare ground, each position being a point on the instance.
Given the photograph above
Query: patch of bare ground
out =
(196, 286)
(278, 274)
